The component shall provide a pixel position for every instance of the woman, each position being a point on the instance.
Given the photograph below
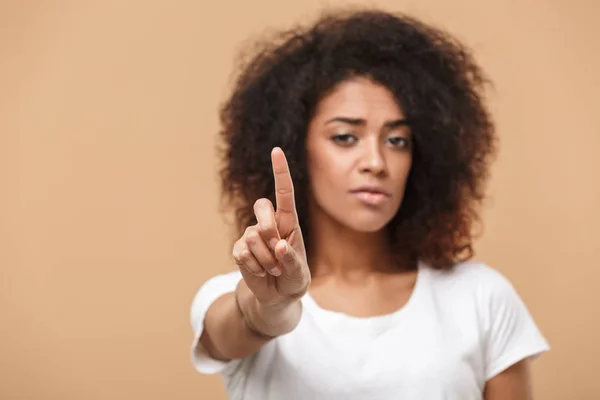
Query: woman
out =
(353, 277)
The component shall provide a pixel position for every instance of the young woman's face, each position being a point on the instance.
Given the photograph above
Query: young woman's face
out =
(359, 156)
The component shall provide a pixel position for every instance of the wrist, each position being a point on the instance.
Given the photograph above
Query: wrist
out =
(277, 319)
(267, 321)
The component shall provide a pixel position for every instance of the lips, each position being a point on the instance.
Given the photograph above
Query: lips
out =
(376, 190)
(371, 195)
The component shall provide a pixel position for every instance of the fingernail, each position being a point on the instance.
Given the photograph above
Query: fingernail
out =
(286, 249)
(273, 243)
(275, 271)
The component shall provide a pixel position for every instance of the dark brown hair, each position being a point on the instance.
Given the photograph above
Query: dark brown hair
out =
(433, 77)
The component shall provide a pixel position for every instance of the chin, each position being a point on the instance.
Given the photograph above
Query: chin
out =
(367, 223)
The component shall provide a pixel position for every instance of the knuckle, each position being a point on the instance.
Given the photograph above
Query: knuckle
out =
(252, 236)
(284, 191)
(240, 251)
(240, 243)
(236, 250)
(245, 256)
(237, 259)
(267, 230)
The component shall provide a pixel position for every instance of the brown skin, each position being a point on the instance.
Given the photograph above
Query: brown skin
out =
(272, 260)
(514, 383)
(356, 138)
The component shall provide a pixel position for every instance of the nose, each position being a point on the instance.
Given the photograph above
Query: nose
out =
(372, 160)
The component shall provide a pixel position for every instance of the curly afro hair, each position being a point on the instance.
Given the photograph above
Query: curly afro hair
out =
(435, 80)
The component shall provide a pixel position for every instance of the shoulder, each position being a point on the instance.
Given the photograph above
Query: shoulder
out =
(478, 292)
(473, 284)
(471, 276)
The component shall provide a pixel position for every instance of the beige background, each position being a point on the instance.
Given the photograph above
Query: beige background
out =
(108, 192)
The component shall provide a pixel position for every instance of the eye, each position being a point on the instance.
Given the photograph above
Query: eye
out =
(345, 139)
(399, 141)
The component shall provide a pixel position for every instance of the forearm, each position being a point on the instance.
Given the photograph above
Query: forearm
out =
(512, 384)
(229, 333)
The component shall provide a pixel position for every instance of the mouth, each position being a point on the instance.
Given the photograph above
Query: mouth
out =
(371, 195)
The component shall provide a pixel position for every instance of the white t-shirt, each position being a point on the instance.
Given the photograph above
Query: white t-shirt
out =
(458, 330)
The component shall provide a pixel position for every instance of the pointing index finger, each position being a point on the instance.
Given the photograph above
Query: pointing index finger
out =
(284, 187)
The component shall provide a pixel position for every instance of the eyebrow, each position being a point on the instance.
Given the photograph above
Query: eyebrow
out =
(361, 122)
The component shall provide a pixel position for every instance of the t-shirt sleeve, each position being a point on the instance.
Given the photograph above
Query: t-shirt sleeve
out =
(511, 333)
(206, 295)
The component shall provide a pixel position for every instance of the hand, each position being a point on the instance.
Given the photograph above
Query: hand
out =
(271, 254)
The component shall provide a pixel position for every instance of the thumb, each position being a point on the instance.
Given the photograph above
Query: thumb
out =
(294, 269)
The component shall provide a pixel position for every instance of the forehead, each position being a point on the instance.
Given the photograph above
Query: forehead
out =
(359, 98)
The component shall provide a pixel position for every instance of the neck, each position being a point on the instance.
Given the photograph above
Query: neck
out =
(336, 250)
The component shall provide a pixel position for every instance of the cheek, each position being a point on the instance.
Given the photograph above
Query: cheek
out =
(324, 175)
(328, 177)
(401, 172)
